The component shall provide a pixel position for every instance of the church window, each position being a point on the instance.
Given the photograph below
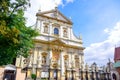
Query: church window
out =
(56, 31)
(45, 29)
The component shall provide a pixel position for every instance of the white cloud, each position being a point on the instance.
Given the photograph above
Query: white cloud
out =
(44, 5)
(115, 34)
(101, 51)
(106, 30)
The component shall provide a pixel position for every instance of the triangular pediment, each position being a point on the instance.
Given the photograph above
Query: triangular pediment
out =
(55, 14)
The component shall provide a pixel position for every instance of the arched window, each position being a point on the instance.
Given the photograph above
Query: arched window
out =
(56, 31)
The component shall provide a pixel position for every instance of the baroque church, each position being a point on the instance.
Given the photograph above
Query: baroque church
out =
(57, 53)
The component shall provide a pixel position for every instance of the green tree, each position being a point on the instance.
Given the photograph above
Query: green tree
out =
(15, 37)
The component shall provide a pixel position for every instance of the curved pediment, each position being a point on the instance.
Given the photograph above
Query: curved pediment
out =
(57, 42)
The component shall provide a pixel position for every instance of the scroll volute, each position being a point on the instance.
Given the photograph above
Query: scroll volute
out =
(44, 54)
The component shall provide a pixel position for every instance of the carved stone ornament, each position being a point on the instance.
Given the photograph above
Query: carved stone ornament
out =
(55, 65)
(44, 54)
(65, 57)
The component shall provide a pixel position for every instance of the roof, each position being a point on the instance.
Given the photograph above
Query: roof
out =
(117, 54)
(116, 64)
(10, 67)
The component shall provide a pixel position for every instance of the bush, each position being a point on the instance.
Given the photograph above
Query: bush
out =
(33, 76)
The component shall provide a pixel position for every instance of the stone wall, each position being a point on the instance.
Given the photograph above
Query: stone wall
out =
(1, 72)
(20, 75)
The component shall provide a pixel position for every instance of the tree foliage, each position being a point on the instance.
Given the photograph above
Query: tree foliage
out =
(15, 36)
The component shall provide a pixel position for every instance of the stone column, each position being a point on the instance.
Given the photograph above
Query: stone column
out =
(35, 60)
(61, 31)
(39, 58)
(62, 65)
(50, 28)
(41, 26)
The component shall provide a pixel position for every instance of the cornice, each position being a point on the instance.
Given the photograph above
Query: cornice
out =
(59, 44)
(54, 19)
(54, 36)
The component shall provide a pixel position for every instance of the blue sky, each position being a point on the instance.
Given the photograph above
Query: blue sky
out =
(90, 17)
(98, 21)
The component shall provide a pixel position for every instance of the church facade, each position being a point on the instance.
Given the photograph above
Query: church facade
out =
(57, 53)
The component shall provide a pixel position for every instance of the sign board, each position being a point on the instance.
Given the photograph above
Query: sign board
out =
(44, 74)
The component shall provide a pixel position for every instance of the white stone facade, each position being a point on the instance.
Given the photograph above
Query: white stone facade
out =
(57, 53)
